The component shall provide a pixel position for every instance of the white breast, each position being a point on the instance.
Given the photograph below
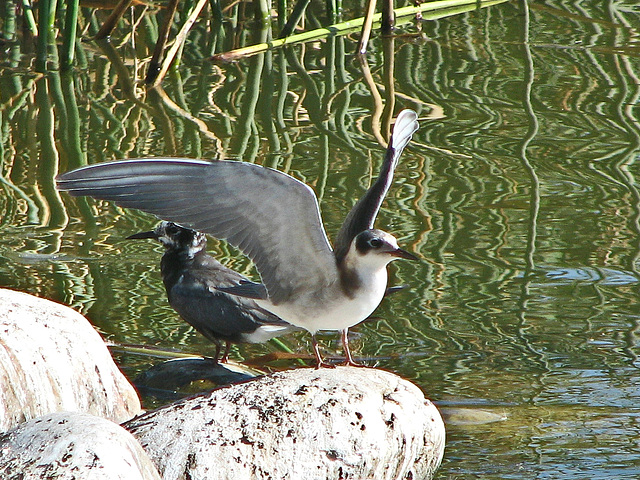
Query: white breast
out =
(333, 309)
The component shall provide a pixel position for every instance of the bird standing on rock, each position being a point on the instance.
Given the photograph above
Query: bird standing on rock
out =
(192, 278)
(274, 219)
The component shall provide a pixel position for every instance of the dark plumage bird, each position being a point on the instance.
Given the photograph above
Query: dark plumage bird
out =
(275, 220)
(192, 278)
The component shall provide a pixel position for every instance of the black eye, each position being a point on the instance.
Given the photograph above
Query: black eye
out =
(376, 242)
(172, 229)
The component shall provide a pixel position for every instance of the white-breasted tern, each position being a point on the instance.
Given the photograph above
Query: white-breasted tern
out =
(274, 219)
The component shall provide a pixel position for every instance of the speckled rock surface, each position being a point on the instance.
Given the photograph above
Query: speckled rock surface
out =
(347, 422)
(67, 445)
(52, 359)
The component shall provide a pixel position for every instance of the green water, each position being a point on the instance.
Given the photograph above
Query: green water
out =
(519, 191)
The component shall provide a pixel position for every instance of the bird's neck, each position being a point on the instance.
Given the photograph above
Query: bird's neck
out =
(175, 262)
(357, 276)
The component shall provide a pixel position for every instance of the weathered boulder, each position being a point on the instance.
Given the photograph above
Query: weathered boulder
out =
(52, 359)
(347, 422)
(71, 445)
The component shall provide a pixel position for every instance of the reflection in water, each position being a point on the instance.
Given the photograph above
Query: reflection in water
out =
(519, 192)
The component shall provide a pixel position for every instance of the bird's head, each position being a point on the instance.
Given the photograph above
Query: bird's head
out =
(377, 248)
(175, 238)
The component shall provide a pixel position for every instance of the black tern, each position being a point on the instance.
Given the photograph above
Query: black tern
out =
(274, 219)
(193, 278)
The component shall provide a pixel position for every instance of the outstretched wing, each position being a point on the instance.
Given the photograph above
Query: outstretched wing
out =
(363, 214)
(271, 217)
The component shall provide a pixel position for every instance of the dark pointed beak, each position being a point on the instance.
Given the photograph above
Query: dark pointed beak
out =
(400, 253)
(136, 236)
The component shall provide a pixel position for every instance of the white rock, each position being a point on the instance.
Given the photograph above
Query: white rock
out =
(68, 445)
(52, 359)
(305, 424)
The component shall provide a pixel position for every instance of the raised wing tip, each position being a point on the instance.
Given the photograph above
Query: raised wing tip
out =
(405, 126)
(407, 113)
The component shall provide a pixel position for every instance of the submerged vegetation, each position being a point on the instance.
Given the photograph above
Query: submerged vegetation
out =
(57, 26)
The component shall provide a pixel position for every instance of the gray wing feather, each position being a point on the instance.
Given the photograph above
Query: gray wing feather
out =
(363, 214)
(271, 217)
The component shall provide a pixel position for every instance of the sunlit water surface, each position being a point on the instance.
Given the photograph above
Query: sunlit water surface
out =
(519, 191)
